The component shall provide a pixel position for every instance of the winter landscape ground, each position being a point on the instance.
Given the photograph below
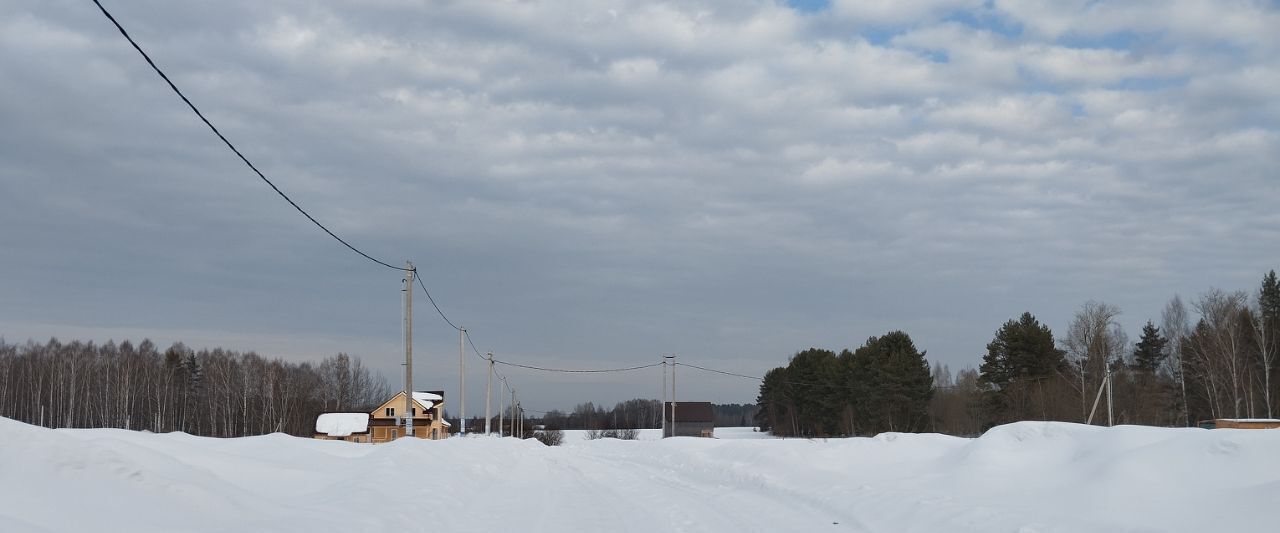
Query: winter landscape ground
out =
(1021, 477)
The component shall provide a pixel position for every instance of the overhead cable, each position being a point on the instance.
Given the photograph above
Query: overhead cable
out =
(433, 304)
(232, 147)
(577, 371)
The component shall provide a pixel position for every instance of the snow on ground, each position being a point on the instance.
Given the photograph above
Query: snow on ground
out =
(1024, 477)
(582, 435)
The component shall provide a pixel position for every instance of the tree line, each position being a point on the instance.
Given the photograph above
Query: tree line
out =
(216, 392)
(1212, 358)
(637, 413)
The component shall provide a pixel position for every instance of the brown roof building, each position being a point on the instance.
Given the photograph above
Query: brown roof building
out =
(692, 419)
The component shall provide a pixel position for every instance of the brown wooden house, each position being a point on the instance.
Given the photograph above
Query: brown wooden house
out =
(1240, 423)
(692, 419)
(386, 423)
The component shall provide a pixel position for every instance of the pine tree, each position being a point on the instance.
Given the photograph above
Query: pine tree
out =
(1150, 351)
(890, 385)
(1023, 351)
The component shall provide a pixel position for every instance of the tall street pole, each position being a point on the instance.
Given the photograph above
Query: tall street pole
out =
(408, 350)
(663, 408)
(488, 395)
(502, 409)
(462, 384)
(673, 396)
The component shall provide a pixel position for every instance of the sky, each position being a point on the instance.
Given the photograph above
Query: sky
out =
(592, 184)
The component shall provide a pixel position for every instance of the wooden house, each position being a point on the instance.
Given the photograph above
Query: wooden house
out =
(692, 419)
(386, 422)
(1240, 423)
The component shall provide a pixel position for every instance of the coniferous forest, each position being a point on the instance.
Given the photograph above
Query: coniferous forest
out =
(1212, 357)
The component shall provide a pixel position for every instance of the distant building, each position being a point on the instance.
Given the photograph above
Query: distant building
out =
(1240, 423)
(692, 419)
(386, 423)
(351, 427)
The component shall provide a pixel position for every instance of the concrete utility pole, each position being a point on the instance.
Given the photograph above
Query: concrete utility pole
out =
(502, 409)
(408, 350)
(1110, 414)
(488, 395)
(513, 413)
(462, 384)
(662, 409)
(673, 396)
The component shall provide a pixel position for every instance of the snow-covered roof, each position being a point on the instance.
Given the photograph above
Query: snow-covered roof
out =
(427, 399)
(342, 424)
(428, 396)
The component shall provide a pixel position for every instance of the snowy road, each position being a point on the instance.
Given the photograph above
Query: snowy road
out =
(1026, 477)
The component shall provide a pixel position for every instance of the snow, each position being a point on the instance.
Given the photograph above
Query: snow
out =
(426, 397)
(580, 435)
(1023, 477)
(342, 424)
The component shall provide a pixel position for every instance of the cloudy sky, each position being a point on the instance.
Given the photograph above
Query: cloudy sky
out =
(597, 183)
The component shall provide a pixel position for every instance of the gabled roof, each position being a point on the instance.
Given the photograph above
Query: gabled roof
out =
(689, 412)
(424, 400)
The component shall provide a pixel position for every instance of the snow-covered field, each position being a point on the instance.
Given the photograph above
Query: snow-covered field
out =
(1023, 477)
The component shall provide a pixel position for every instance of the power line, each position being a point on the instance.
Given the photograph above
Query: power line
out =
(720, 371)
(727, 373)
(577, 371)
(433, 304)
(231, 146)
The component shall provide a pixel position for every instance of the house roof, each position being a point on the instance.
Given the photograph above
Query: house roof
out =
(427, 399)
(342, 424)
(689, 412)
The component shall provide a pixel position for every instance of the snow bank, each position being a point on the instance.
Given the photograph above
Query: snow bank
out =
(1023, 477)
(342, 424)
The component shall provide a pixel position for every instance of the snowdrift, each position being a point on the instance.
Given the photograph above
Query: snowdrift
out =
(1023, 477)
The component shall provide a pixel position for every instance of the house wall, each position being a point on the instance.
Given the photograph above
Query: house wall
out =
(422, 429)
(1241, 424)
(692, 429)
(355, 437)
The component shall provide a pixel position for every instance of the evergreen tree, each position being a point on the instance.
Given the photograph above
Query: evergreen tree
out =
(1150, 351)
(1269, 298)
(1023, 351)
(813, 379)
(890, 385)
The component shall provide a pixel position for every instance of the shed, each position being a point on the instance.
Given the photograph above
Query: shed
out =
(692, 419)
(351, 427)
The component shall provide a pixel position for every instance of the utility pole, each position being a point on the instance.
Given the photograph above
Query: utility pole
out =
(462, 384)
(488, 396)
(502, 409)
(1110, 415)
(662, 409)
(673, 396)
(513, 413)
(408, 350)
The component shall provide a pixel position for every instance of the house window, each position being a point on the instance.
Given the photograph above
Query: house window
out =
(395, 433)
(413, 411)
(390, 411)
(434, 435)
